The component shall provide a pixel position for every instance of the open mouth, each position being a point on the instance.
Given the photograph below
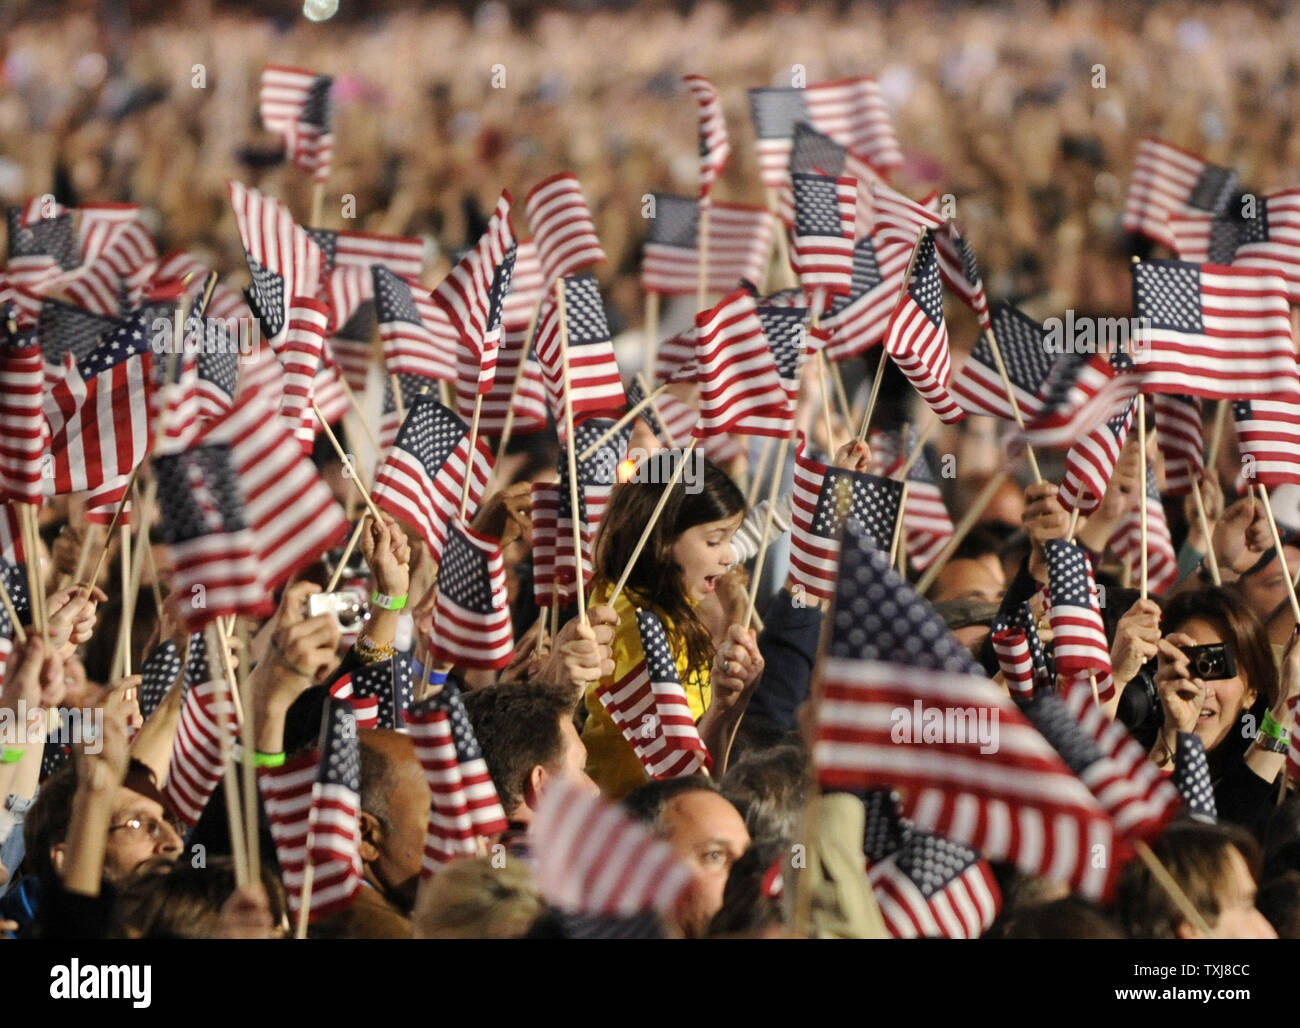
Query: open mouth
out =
(1207, 714)
(710, 582)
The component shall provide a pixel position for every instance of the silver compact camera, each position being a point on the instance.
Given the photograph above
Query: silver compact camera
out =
(346, 608)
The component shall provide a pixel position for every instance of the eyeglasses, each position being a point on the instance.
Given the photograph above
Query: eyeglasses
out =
(152, 826)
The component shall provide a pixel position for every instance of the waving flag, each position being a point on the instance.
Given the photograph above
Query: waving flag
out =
(786, 332)
(418, 337)
(892, 665)
(402, 255)
(283, 259)
(528, 401)
(380, 693)
(364, 708)
(738, 375)
(422, 476)
(1090, 463)
(896, 218)
(200, 753)
(290, 510)
(472, 293)
(740, 242)
(822, 253)
(98, 410)
(25, 434)
(714, 147)
(858, 320)
(1126, 543)
(594, 382)
(226, 305)
(553, 559)
(1168, 179)
(925, 885)
(296, 105)
(1267, 239)
(471, 618)
(1015, 661)
(1081, 392)
(159, 671)
(1078, 634)
(978, 386)
(465, 803)
(1019, 619)
(313, 804)
(927, 526)
(118, 258)
(812, 151)
(852, 112)
(409, 387)
(300, 354)
(917, 337)
(650, 708)
(960, 273)
(823, 501)
(563, 229)
(1139, 799)
(1213, 331)
(1181, 440)
(1268, 433)
(591, 858)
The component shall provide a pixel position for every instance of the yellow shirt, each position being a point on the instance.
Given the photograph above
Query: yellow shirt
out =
(611, 761)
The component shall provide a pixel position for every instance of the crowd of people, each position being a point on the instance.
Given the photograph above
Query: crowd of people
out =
(1000, 105)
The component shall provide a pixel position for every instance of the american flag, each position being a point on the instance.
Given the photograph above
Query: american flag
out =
(174, 404)
(465, 803)
(1268, 432)
(98, 410)
(1011, 646)
(364, 707)
(812, 151)
(158, 673)
(118, 259)
(1192, 777)
(418, 337)
(283, 259)
(788, 336)
(472, 293)
(852, 112)
(591, 858)
(927, 526)
(678, 417)
(1181, 440)
(350, 345)
(890, 659)
(598, 472)
(859, 320)
(300, 355)
(1293, 747)
(423, 474)
(896, 218)
(402, 255)
(1126, 543)
(527, 287)
(410, 386)
(1080, 392)
(62, 329)
(594, 382)
(917, 337)
(553, 566)
(529, 400)
(1078, 634)
(650, 708)
(226, 305)
(1213, 331)
(715, 149)
(824, 499)
(471, 617)
(1090, 462)
(675, 358)
(1133, 792)
(1020, 618)
(1021, 341)
(824, 213)
(1167, 179)
(1267, 240)
(960, 273)
(738, 375)
(740, 243)
(926, 886)
(563, 229)
(199, 753)
(26, 433)
(214, 552)
(313, 804)
(217, 366)
(293, 515)
(33, 232)
(296, 105)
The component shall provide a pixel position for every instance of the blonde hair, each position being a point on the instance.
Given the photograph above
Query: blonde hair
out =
(470, 898)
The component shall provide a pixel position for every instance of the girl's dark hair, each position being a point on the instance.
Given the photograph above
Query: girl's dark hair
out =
(1228, 612)
(656, 580)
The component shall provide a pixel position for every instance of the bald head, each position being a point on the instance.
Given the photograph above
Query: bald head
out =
(395, 804)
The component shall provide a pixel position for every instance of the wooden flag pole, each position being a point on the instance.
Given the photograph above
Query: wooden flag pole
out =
(317, 204)
(108, 536)
(32, 551)
(83, 554)
(1277, 541)
(124, 627)
(652, 332)
(968, 521)
(846, 410)
(1142, 484)
(347, 462)
(884, 354)
(826, 408)
(645, 532)
(234, 815)
(570, 449)
(702, 285)
(1205, 529)
(304, 903)
(613, 429)
(361, 417)
(248, 746)
(1015, 405)
(347, 552)
(469, 461)
(398, 403)
(541, 632)
(898, 552)
(1216, 436)
(917, 450)
(659, 417)
(778, 473)
(509, 425)
(1172, 889)
(782, 247)
(756, 480)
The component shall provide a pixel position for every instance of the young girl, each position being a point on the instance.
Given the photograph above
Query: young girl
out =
(688, 551)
